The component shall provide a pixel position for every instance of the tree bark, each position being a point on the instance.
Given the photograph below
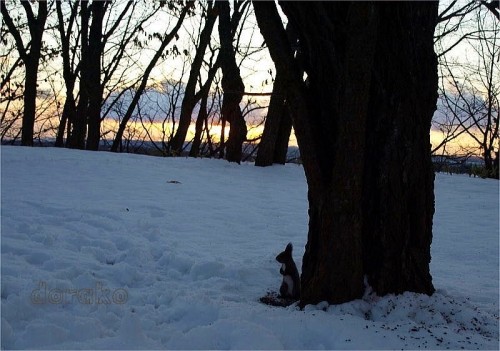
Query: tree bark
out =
(363, 135)
(399, 176)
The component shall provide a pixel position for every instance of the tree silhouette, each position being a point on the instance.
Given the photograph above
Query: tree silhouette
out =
(362, 120)
(30, 54)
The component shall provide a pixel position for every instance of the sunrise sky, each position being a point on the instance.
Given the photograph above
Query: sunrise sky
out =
(257, 70)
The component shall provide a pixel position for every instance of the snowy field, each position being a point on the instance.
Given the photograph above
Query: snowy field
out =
(117, 251)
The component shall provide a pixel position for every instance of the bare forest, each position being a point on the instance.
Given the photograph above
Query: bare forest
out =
(196, 78)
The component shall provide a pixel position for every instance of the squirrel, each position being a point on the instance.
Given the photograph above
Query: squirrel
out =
(290, 287)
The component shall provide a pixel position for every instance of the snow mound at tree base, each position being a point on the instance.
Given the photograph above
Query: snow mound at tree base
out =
(428, 321)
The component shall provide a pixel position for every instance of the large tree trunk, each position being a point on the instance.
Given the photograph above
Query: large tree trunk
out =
(363, 133)
(399, 177)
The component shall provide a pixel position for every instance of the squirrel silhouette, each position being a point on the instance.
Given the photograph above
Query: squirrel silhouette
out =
(290, 287)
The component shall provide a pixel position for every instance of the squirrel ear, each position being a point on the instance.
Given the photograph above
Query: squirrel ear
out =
(289, 247)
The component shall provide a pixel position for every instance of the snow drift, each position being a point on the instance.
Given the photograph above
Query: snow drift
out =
(115, 251)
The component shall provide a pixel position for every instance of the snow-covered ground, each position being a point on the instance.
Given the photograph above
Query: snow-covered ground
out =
(116, 251)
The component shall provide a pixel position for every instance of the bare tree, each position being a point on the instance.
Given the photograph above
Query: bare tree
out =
(116, 37)
(70, 69)
(94, 49)
(167, 38)
(30, 54)
(114, 30)
(233, 86)
(190, 99)
(11, 88)
(87, 120)
(364, 140)
(202, 119)
(469, 91)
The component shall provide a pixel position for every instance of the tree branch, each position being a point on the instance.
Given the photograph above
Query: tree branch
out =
(493, 6)
(14, 31)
